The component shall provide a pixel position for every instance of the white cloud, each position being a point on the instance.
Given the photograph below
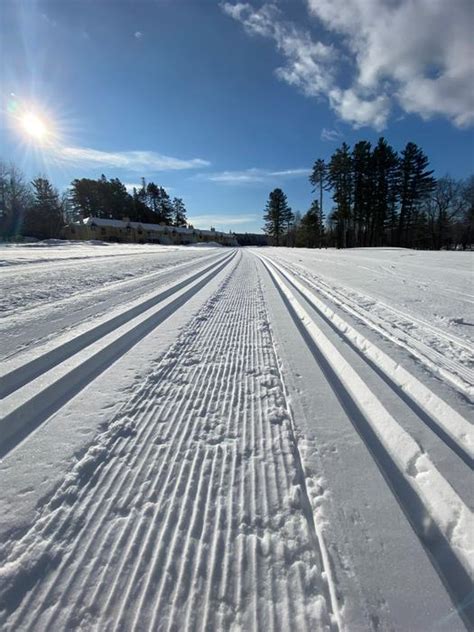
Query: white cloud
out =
(138, 35)
(309, 65)
(360, 111)
(141, 161)
(331, 135)
(415, 53)
(253, 175)
(419, 53)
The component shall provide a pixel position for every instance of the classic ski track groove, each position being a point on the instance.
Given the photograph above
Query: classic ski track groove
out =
(186, 513)
(458, 374)
(110, 285)
(78, 363)
(32, 266)
(433, 502)
(143, 394)
(141, 283)
(440, 413)
(46, 358)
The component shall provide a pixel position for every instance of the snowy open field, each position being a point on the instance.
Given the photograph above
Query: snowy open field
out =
(236, 439)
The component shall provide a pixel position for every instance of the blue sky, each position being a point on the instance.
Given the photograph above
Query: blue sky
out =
(222, 102)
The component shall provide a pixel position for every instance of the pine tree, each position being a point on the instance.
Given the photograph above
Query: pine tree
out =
(179, 212)
(340, 179)
(385, 167)
(84, 197)
(43, 218)
(165, 208)
(416, 184)
(159, 202)
(290, 228)
(311, 227)
(103, 198)
(318, 180)
(278, 215)
(152, 196)
(363, 191)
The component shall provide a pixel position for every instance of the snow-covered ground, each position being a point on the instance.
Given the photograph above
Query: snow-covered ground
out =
(235, 439)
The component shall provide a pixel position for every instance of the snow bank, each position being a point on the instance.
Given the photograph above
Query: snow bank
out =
(206, 244)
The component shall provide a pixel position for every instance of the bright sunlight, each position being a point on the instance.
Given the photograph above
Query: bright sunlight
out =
(34, 126)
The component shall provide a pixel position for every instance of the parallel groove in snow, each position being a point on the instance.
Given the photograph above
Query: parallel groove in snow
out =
(450, 421)
(452, 517)
(25, 339)
(15, 373)
(459, 374)
(186, 513)
(37, 399)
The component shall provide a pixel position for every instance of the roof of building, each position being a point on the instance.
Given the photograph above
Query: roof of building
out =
(160, 228)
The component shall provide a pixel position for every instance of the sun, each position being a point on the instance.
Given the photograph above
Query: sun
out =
(34, 126)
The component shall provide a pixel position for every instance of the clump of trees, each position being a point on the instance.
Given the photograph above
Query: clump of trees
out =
(36, 209)
(381, 198)
(105, 198)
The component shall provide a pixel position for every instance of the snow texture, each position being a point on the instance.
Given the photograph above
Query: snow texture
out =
(201, 492)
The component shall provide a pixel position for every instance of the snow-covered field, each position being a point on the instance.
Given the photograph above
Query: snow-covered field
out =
(235, 439)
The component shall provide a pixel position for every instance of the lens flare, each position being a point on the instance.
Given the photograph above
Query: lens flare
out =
(40, 131)
(34, 126)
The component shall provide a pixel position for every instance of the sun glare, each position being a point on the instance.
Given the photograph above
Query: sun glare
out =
(34, 127)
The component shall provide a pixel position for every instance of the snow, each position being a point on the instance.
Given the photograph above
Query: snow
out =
(208, 244)
(440, 500)
(435, 286)
(233, 439)
(448, 419)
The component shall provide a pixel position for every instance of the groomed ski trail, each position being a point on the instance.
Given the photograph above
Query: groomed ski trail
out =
(442, 519)
(444, 354)
(189, 511)
(33, 388)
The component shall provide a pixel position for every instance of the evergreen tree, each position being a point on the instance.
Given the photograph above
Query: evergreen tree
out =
(363, 192)
(160, 203)
(140, 196)
(385, 167)
(318, 180)
(117, 202)
(101, 198)
(311, 227)
(290, 228)
(416, 184)
(278, 215)
(165, 208)
(340, 179)
(43, 218)
(152, 196)
(84, 196)
(179, 212)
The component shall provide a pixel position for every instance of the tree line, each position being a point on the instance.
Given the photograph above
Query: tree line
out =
(37, 209)
(380, 198)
